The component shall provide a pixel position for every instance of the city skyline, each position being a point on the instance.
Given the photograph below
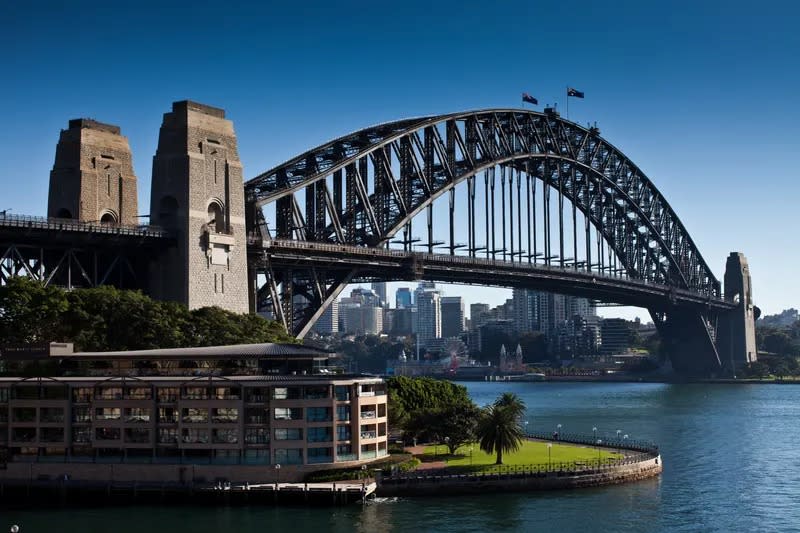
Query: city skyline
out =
(285, 95)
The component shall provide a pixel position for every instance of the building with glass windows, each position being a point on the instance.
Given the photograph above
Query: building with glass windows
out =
(261, 404)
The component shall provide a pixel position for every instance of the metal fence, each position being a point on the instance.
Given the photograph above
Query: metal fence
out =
(69, 224)
(644, 451)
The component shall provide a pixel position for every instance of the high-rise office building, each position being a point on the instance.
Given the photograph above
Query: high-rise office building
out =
(328, 323)
(452, 316)
(429, 313)
(379, 288)
(403, 298)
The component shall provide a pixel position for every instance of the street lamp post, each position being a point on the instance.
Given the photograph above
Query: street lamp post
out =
(277, 474)
(594, 432)
(599, 442)
(526, 428)
(447, 444)
(549, 458)
(470, 455)
(364, 471)
(558, 430)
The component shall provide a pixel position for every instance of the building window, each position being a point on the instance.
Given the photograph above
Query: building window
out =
(342, 412)
(319, 434)
(256, 436)
(255, 395)
(225, 414)
(109, 393)
(342, 393)
(82, 394)
(137, 414)
(286, 393)
(52, 435)
(288, 434)
(225, 393)
(226, 436)
(195, 393)
(289, 456)
(320, 455)
(255, 416)
(167, 415)
(139, 393)
(137, 435)
(167, 435)
(317, 393)
(107, 433)
(107, 413)
(288, 413)
(81, 435)
(168, 394)
(344, 452)
(23, 414)
(51, 415)
(194, 415)
(318, 414)
(194, 436)
(343, 432)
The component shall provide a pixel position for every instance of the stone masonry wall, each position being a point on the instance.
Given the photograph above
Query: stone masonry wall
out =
(196, 169)
(93, 175)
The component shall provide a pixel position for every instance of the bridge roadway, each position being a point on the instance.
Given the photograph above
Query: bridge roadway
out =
(387, 264)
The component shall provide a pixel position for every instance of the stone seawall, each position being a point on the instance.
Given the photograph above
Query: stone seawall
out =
(445, 485)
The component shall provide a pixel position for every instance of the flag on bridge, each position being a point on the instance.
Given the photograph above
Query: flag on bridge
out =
(574, 92)
(530, 99)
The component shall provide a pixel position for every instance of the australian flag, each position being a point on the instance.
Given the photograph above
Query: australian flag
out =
(574, 92)
(530, 99)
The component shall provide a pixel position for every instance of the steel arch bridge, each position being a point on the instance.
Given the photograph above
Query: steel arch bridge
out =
(327, 217)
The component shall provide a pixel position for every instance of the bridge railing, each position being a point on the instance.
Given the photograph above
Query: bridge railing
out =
(447, 259)
(69, 224)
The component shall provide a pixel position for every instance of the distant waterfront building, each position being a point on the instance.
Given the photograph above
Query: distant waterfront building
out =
(403, 298)
(328, 323)
(615, 333)
(363, 319)
(452, 316)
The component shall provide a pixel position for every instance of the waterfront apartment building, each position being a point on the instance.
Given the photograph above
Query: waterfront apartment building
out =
(261, 404)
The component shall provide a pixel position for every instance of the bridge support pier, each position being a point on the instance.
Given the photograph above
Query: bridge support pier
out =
(736, 338)
(687, 341)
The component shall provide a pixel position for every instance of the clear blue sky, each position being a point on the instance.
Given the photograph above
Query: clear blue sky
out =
(701, 95)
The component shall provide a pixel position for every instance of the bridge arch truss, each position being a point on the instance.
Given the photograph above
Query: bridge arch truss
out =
(366, 188)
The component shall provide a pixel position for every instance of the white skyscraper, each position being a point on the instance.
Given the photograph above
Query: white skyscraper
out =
(429, 313)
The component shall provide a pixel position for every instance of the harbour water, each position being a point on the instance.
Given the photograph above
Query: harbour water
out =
(730, 454)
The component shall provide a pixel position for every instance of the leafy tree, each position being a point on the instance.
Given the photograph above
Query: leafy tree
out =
(105, 318)
(29, 312)
(499, 429)
(457, 424)
(426, 393)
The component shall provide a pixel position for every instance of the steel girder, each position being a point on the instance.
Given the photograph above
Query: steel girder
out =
(435, 153)
(382, 177)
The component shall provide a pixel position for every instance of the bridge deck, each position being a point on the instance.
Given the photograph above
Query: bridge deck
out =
(402, 265)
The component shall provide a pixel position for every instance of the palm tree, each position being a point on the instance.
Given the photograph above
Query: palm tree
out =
(499, 430)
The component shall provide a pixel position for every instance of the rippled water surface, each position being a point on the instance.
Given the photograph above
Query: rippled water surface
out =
(731, 463)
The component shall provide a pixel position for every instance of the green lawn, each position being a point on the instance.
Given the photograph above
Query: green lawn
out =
(531, 453)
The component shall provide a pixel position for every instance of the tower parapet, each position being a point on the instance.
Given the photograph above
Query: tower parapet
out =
(92, 178)
(737, 333)
(198, 195)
